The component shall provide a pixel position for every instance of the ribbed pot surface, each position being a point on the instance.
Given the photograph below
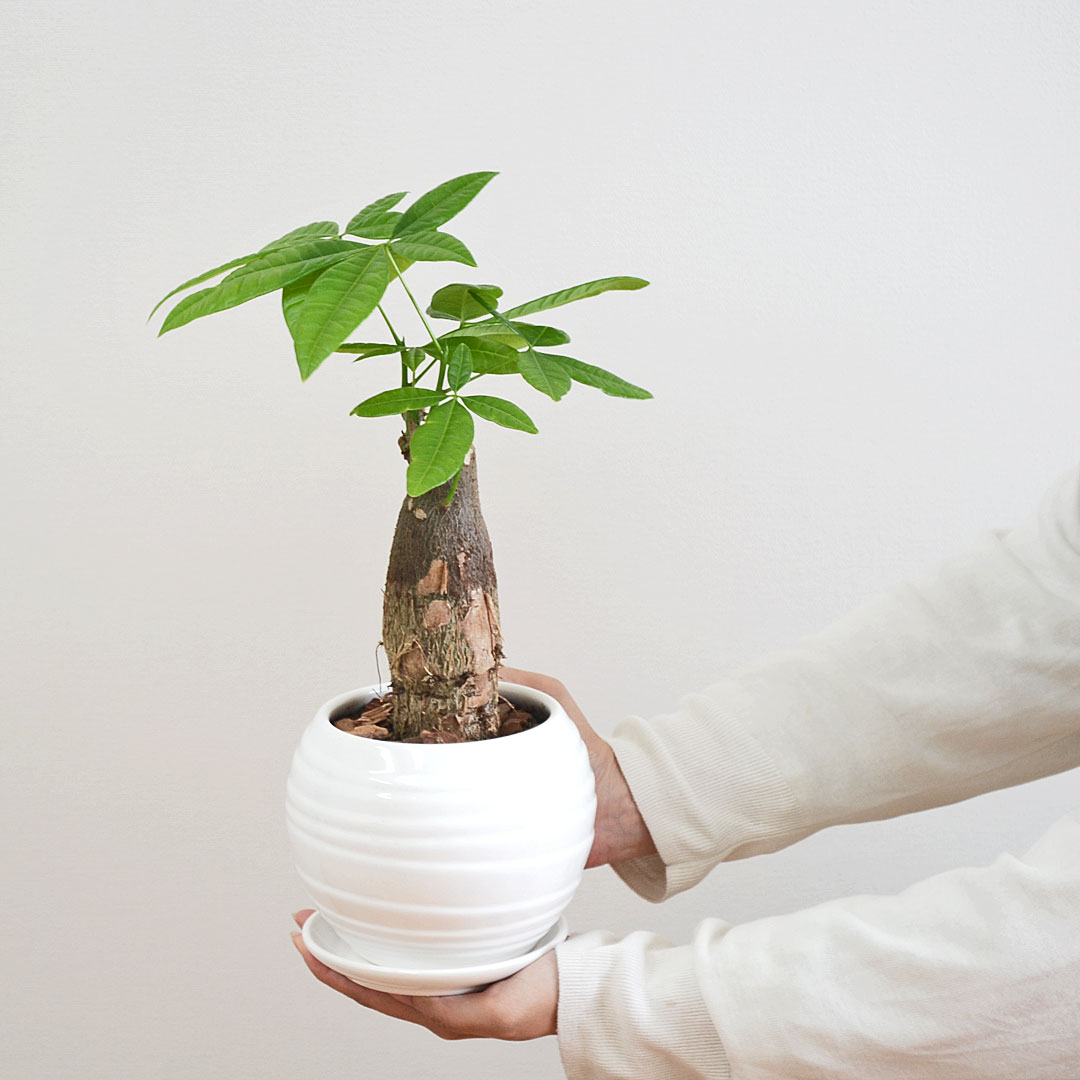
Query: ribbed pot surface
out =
(441, 855)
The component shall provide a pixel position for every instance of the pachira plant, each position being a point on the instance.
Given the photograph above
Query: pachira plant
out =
(441, 628)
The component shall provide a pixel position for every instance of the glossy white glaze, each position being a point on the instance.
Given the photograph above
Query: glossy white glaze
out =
(441, 855)
(325, 945)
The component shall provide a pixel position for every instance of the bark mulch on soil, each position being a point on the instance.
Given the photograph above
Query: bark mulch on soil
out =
(376, 721)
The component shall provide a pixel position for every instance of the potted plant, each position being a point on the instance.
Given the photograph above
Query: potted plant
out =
(441, 821)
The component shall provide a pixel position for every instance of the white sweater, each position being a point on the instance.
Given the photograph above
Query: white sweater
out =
(963, 681)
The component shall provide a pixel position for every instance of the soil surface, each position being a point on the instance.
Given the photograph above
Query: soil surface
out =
(376, 721)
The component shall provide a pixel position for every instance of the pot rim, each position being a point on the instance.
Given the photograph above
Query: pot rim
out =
(535, 697)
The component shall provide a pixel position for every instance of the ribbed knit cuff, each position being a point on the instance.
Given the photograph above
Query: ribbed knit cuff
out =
(632, 1009)
(705, 788)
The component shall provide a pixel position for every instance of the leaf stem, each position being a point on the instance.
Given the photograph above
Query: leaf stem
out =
(453, 489)
(397, 341)
(417, 378)
(431, 333)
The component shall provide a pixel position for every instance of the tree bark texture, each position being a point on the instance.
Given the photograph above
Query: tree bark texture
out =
(441, 615)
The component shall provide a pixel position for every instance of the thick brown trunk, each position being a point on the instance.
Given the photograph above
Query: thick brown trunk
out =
(441, 615)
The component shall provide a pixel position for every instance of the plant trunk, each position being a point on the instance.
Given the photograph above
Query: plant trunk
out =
(441, 615)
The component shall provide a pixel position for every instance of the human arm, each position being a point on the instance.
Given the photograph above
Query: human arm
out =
(958, 682)
(969, 975)
(999, 632)
(973, 974)
(965, 680)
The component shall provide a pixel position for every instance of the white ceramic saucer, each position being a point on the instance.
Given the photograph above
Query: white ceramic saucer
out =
(325, 944)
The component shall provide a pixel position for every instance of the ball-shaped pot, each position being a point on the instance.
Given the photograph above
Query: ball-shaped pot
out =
(441, 855)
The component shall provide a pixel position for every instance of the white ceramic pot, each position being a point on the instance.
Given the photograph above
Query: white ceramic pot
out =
(441, 855)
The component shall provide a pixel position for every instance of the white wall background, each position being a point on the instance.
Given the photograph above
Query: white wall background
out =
(860, 222)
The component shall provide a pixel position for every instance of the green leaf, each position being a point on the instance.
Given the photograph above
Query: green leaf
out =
(544, 373)
(533, 335)
(487, 331)
(576, 292)
(375, 227)
(338, 301)
(314, 230)
(412, 357)
(442, 203)
(490, 357)
(402, 263)
(433, 246)
(305, 232)
(270, 271)
(364, 349)
(541, 335)
(460, 366)
(292, 296)
(374, 209)
(454, 301)
(398, 400)
(500, 411)
(517, 334)
(204, 277)
(438, 447)
(596, 376)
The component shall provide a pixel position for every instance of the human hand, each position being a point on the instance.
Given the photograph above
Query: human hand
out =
(620, 831)
(523, 1006)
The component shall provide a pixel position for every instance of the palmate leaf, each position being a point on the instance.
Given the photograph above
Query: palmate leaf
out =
(438, 447)
(544, 373)
(491, 357)
(433, 246)
(292, 296)
(375, 209)
(533, 335)
(440, 204)
(590, 375)
(377, 221)
(500, 411)
(205, 276)
(305, 232)
(541, 335)
(489, 332)
(517, 334)
(454, 301)
(575, 292)
(399, 400)
(403, 264)
(314, 230)
(537, 369)
(270, 271)
(337, 302)
(375, 227)
(459, 368)
(364, 349)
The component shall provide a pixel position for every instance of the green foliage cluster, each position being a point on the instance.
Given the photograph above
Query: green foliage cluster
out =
(330, 285)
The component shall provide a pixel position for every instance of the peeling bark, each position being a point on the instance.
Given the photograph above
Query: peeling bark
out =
(441, 615)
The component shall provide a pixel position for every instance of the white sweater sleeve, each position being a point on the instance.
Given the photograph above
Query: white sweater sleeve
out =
(970, 975)
(960, 682)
